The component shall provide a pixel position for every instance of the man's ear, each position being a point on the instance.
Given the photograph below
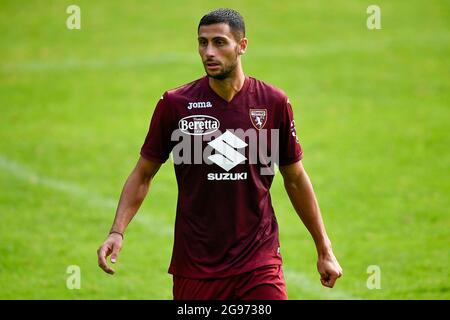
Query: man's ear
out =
(242, 46)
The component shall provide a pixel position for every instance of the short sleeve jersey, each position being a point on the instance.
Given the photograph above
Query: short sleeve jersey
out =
(225, 223)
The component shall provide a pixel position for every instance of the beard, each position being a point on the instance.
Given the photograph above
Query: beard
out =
(227, 70)
(225, 73)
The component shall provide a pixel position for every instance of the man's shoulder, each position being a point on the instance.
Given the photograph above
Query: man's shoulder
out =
(268, 90)
(186, 90)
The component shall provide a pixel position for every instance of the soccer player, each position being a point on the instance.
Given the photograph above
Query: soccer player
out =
(226, 242)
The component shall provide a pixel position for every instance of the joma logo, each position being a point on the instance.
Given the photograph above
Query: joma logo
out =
(196, 105)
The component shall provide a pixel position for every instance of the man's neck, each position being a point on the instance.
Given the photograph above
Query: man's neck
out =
(229, 87)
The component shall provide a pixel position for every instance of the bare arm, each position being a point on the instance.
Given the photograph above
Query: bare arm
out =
(303, 199)
(133, 193)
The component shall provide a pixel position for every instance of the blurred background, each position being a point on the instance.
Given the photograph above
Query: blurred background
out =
(372, 113)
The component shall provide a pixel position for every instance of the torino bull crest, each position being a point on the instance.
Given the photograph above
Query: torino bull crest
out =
(258, 117)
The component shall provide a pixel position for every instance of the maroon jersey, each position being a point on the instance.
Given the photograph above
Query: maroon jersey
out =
(225, 223)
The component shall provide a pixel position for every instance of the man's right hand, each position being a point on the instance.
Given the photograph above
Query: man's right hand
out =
(133, 193)
(111, 246)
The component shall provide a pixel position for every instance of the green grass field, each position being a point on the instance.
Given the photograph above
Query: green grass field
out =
(372, 111)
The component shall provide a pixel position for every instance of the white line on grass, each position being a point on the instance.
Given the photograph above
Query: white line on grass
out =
(73, 190)
(297, 51)
(314, 288)
(96, 64)
(299, 280)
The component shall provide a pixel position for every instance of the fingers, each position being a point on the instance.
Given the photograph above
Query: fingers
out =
(115, 253)
(102, 253)
(328, 280)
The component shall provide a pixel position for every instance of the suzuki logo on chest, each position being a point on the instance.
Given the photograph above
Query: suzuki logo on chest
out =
(227, 157)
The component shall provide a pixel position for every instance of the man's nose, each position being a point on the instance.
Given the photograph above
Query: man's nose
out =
(209, 51)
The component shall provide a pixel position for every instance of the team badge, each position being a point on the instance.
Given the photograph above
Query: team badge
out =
(258, 117)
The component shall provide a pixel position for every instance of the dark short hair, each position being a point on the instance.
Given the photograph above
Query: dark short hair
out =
(228, 16)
